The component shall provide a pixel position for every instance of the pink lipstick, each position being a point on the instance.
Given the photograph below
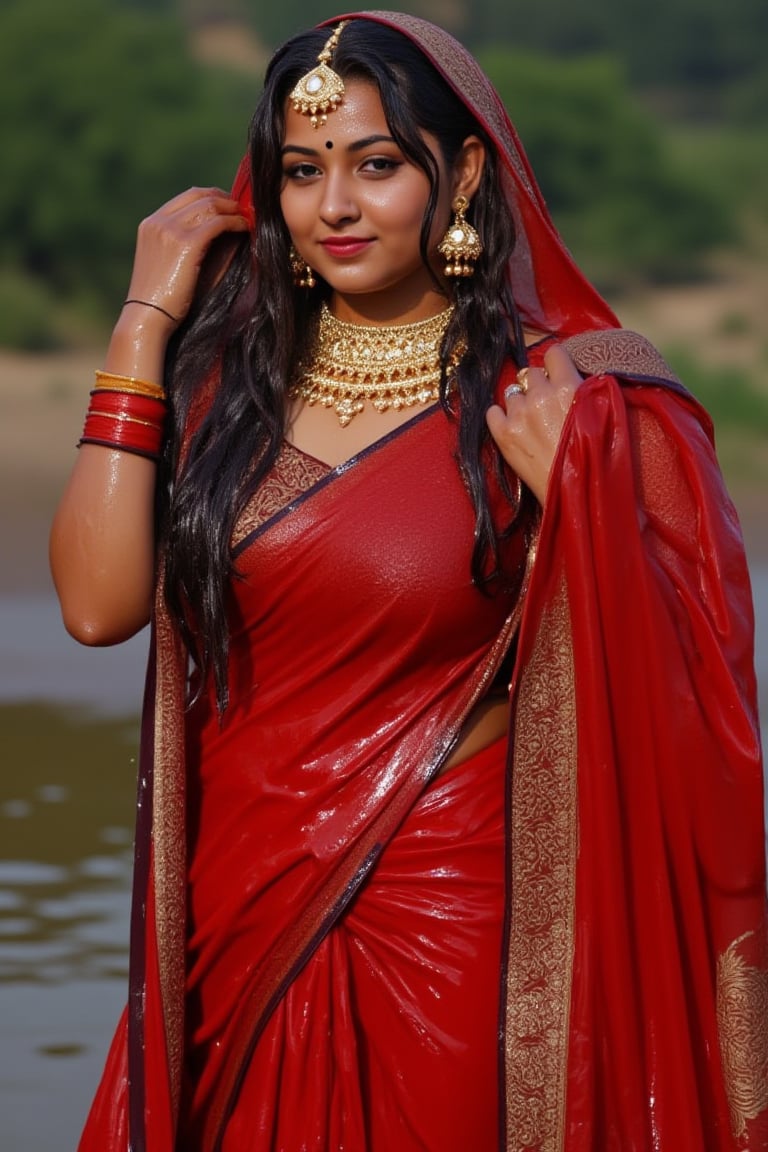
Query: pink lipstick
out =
(345, 245)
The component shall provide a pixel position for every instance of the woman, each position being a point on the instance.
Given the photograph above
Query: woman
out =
(450, 810)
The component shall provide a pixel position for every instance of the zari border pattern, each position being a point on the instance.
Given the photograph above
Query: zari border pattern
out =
(168, 833)
(543, 836)
(742, 1019)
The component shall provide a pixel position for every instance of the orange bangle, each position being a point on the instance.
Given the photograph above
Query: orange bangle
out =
(114, 382)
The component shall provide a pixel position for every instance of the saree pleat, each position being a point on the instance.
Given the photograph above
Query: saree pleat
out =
(336, 617)
(387, 1037)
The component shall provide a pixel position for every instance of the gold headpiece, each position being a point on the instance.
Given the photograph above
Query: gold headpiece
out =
(322, 89)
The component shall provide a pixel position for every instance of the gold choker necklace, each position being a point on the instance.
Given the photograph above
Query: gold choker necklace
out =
(394, 366)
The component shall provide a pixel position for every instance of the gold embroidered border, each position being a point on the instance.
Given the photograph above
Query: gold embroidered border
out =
(543, 835)
(168, 835)
(465, 75)
(617, 351)
(742, 1021)
(293, 474)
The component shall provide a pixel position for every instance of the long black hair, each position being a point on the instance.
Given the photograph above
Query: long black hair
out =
(253, 327)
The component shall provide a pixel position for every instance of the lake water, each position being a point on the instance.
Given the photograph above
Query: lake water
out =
(68, 737)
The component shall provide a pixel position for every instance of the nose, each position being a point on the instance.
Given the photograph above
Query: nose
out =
(338, 205)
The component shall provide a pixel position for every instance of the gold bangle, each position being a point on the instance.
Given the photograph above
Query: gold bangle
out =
(129, 390)
(130, 384)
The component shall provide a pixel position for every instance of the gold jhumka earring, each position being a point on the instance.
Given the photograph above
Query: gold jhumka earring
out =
(303, 275)
(321, 90)
(461, 245)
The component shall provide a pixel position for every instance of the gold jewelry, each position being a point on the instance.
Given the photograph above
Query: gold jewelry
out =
(461, 244)
(321, 90)
(393, 366)
(115, 383)
(303, 276)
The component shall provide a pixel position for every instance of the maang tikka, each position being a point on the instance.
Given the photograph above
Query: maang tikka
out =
(321, 90)
(461, 244)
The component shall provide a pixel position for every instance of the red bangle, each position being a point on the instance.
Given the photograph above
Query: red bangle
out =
(120, 403)
(126, 433)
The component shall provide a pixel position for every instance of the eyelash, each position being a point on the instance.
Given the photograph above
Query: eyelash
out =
(306, 171)
(302, 171)
(386, 162)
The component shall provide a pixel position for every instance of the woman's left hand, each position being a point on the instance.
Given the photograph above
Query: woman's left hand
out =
(527, 429)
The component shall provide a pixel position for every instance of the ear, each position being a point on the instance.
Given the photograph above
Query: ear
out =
(468, 168)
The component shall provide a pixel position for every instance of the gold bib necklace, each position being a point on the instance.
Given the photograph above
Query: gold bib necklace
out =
(393, 366)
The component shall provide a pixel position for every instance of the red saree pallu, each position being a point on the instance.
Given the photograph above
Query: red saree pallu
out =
(637, 999)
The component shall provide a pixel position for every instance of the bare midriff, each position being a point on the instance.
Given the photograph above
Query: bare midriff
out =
(486, 723)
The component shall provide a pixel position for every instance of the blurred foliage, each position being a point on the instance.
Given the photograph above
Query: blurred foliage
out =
(105, 113)
(627, 210)
(726, 392)
(673, 43)
(731, 160)
(28, 314)
(704, 47)
(103, 116)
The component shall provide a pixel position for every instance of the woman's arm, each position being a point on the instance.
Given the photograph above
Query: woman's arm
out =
(102, 546)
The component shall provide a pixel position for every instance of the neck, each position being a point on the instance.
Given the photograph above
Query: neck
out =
(375, 311)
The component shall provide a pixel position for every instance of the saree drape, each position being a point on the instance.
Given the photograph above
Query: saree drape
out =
(633, 989)
(636, 965)
(632, 986)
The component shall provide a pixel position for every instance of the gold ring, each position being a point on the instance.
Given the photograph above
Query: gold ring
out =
(522, 378)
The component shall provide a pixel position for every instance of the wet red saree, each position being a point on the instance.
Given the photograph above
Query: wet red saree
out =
(346, 917)
(338, 988)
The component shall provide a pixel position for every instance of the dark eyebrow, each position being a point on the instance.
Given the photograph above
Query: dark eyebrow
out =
(302, 151)
(357, 146)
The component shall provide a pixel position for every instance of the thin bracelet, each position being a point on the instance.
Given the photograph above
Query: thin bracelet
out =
(157, 308)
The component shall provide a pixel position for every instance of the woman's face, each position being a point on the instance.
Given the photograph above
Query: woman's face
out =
(354, 206)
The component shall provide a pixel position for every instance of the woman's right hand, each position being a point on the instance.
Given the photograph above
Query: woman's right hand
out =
(171, 247)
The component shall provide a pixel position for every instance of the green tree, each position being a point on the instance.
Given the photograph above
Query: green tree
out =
(103, 116)
(676, 44)
(618, 198)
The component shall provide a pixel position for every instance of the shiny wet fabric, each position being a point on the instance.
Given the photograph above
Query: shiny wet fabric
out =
(635, 954)
(386, 1041)
(357, 650)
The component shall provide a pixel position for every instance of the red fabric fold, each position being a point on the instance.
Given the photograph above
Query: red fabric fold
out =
(670, 863)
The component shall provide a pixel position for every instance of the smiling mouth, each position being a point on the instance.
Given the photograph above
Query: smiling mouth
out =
(345, 245)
